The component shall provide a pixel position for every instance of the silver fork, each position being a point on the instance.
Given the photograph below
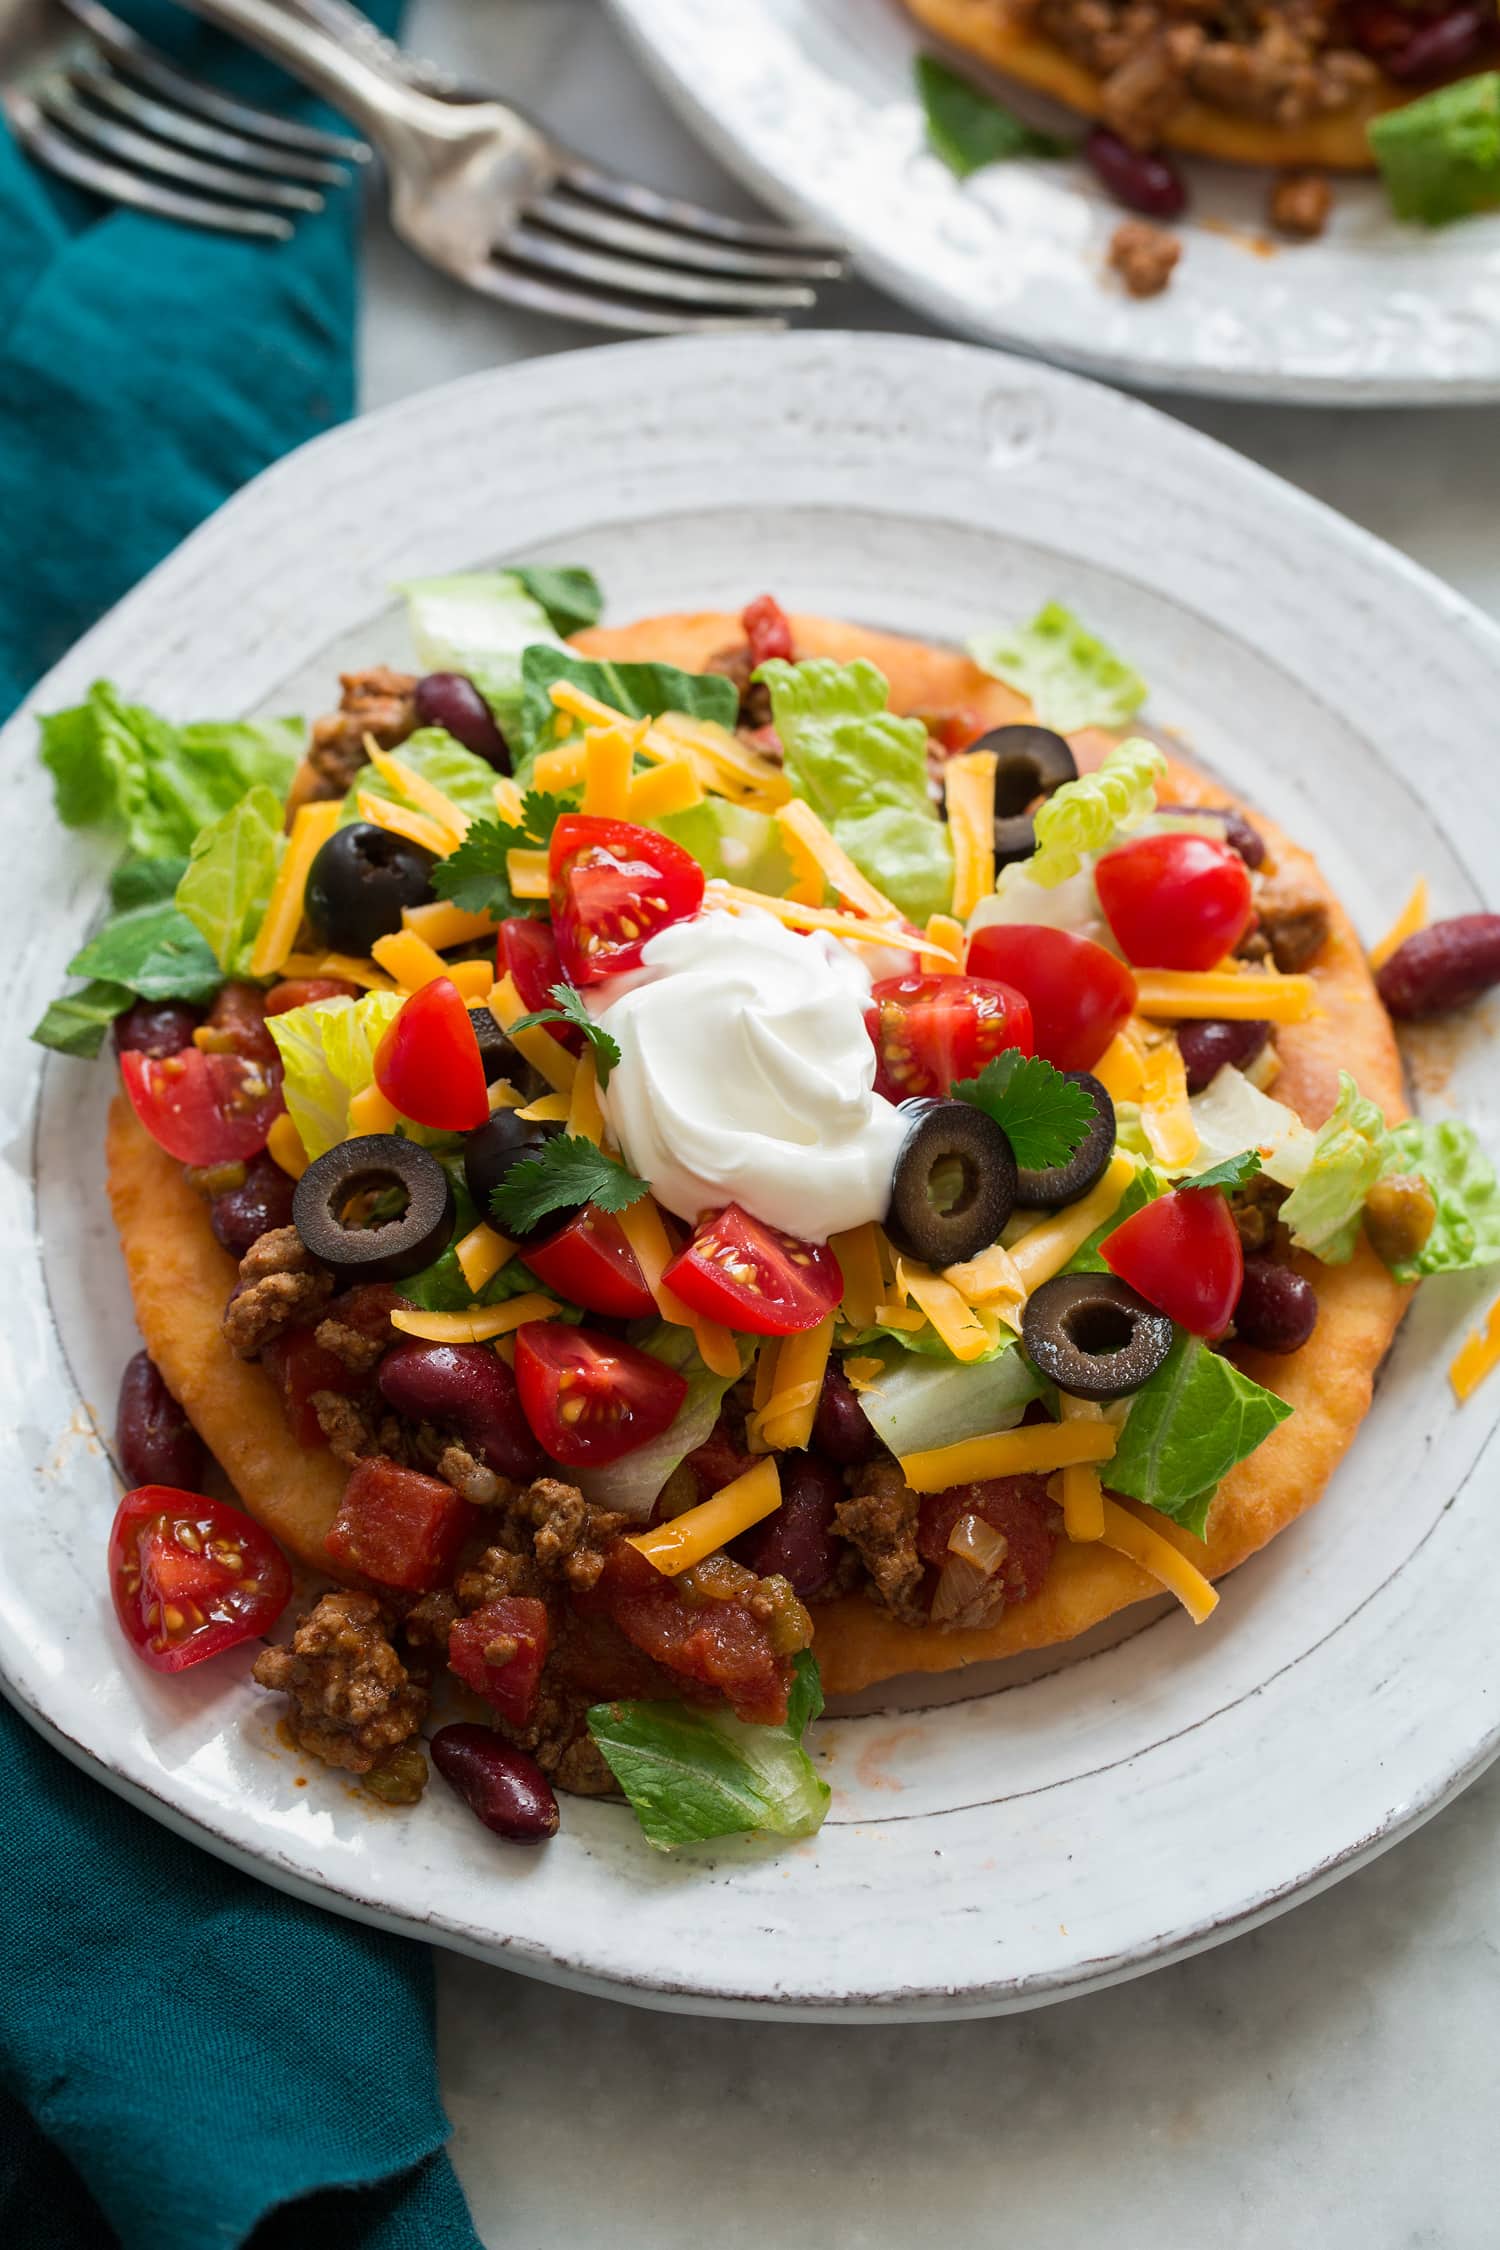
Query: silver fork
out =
(482, 192)
(112, 114)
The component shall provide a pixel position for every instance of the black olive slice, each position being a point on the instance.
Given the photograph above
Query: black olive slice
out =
(492, 1148)
(1091, 1335)
(1065, 1183)
(359, 883)
(954, 1185)
(1031, 763)
(501, 1059)
(375, 1209)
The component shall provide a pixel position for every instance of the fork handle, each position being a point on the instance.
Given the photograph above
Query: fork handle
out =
(382, 105)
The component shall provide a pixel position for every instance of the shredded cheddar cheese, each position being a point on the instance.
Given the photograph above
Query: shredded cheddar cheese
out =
(537, 1044)
(527, 872)
(284, 1145)
(969, 788)
(954, 1320)
(409, 959)
(798, 917)
(311, 830)
(370, 1112)
(1477, 1356)
(585, 1117)
(609, 755)
(507, 796)
(784, 1423)
(858, 1254)
(1413, 917)
(400, 820)
(547, 1109)
(1155, 1553)
(1046, 1249)
(698, 1532)
(1175, 993)
(478, 1324)
(1082, 1493)
(1120, 1070)
(441, 924)
(346, 966)
(481, 1254)
(1036, 1449)
(418, 791)
(1166, 1118)
(946, 944)
(669, 788)
(645, 1230)
(798, 821)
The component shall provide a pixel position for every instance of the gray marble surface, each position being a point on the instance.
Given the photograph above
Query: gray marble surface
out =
(1327, 2081)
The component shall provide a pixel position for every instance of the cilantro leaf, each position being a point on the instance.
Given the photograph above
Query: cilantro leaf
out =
(570, 1008)
(565, 1172)
(1232, 1173)
(1041, 1113)
(967, 128)
(477, 876)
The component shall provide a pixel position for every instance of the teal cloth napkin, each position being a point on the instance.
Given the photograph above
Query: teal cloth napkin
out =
(187, 2058)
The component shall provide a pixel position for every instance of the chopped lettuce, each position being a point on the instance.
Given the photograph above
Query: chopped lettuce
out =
(1071, 679)
(227, 886)
(692, 1774)
(1143, 1189)
(1186, 1429)
(1072, 904)
(468, 780)
(968, 128)
(632, 1483)
(155, 952)
(641, 691)
(441, 1287)
(480, 622)
(1093, 812)
(328, 1050)
(117, 765)
(145, 882)
(1326, 1206)
(571, 597)
(1440, 156)
(734, 842)
(76, 1024)
(864, 771)
(1231, 1114)
(1466, 1231)
(919, 1403)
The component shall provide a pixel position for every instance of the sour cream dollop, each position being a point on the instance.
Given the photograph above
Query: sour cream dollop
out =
(746, 1076)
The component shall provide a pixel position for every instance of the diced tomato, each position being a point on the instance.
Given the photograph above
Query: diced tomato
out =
(398, 1527)
(590, 1398)
(932, 1030)
(1017, 1506)
(429, 1066)
(614, 886)
(527, 951)
(1183, 1254)
(1079, 994)
(191, 1576)
(238, 1016)
(204, 1109)
(719, 1644)
(957, 730)
(593, 1655)
(590, 1263)
(737, 1270)
(1175, 901)
(499, 1652)
(302, 992)
(768, 630)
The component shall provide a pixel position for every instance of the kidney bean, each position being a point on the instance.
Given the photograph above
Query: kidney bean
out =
(798, 1542)
(1140, 178)
(841, 1431)
(1238, 833)
(468, 1388)
(1442, 46)
(1442, 967)
(302, 992)
(240, 1216)
(156, 1028)
(451, 700)
(1277, 1309)
(502, 1786)
(156, 1442)
(1209, 1042)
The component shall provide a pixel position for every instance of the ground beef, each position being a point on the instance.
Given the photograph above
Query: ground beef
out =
(498, 1572)
(736, 664)
(358, 1351)
(378, 702)
(479, 1486)
(429, 1621)
(281, 1285)
(1145, 257)
(879, 1519)
(1299, 205)
(1293, 921)
(353, 1704)
(351, 1430)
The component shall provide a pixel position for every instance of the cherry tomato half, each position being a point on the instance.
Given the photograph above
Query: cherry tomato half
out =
(204, 1109)
(527, 950)
(429, 1066)
(1182, 1254)
(614, 886)
(751, 1276)
(590, 1398)
(1079, 994)
(1175, 901)
(589, 1262)
(929, 1031)
(191, 1576)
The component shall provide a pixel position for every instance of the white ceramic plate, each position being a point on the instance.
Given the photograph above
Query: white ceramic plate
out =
(995, 1849)
(811, 103)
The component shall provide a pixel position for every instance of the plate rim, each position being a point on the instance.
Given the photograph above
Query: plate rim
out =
(913, 2004)
(908, 284)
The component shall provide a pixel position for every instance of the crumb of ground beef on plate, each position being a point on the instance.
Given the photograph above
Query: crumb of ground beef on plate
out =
(1144, 256)
(1300, 203)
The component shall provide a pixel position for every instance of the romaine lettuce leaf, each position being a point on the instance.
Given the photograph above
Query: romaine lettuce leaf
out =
(1466, 1231)
(632, 1483)
(468, 780)
(641, 691)
(116, 764)
(76, 1024)
(968, 128)
(1072, 904)
(1143, 1189)
(1093, 812)
(328, 1050)
(1326, 1206)
(1232, 1114)
(920, 1403)
(1440, 155)
(145, 882)
(479, 622)
(571, 597)
(1071, 679)
(1186, 1429)
(227, 887)
(155, 952)
(864, 772)
(732, 841)
(692, 1773)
